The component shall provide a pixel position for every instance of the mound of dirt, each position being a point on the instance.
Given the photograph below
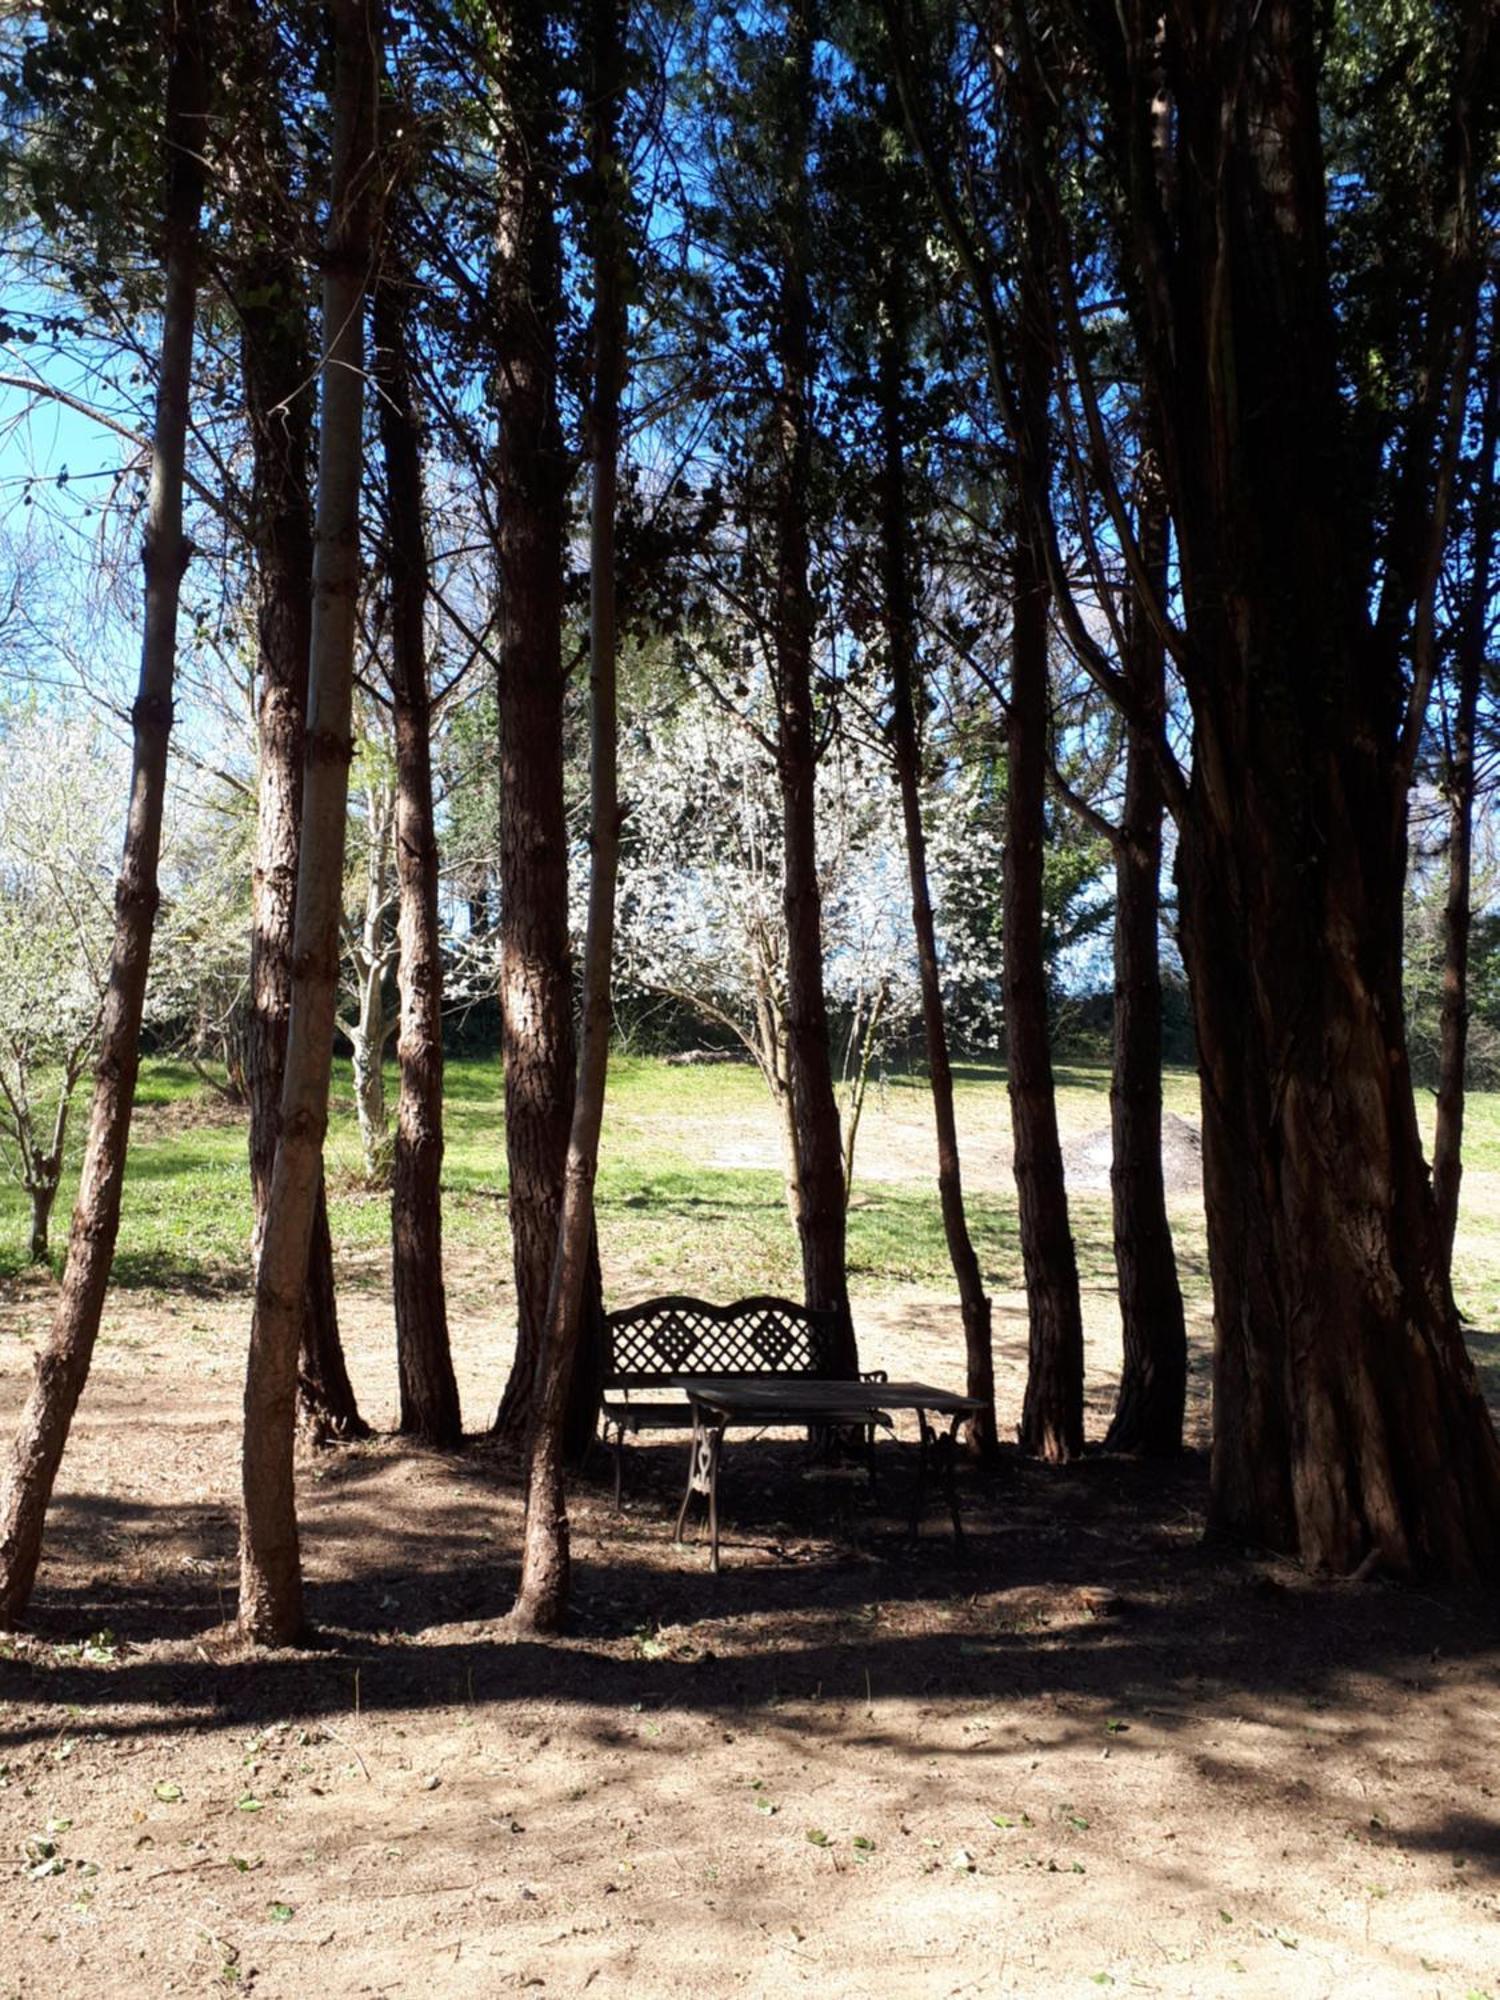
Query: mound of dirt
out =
(1086, 1159)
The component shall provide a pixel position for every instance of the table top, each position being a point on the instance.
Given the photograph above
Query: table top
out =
(810, 1396)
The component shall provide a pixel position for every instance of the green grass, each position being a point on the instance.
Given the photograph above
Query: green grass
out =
(672, 1211)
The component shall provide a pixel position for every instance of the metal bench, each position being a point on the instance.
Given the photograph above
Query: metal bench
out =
(655, 1351)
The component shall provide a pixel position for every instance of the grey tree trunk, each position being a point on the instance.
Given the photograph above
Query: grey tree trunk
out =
(428, 1388)
(542, 1599)
(271, 1608)
(63, 1364)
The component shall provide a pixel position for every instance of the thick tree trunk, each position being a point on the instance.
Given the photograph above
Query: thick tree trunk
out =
(63, 1363)
(1348, 1421)
(428, 1387)
(542, 1599)
(270, 1561)
(1470, 650)
(900, 632)
(1153, 1382)
(820, 1159)
(536, 999)
(275, 367)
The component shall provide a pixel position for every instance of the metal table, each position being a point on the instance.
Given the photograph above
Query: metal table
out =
(828, 1405)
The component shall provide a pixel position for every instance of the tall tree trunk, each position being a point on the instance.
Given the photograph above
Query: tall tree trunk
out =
(542, 1599)
(270, 1561)
(820, 1159)
(1348, 1420)
(536, 998)
(1153, 1382)
(429, 1389)
(43, 1195)
(1052, 1413)
(1470, 648)
(63, 1364)
(275, 368)
(900, 633)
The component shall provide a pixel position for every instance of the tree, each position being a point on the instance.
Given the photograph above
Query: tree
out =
(270, 1564)
(530, 477)
(429, 1406)
(63, 1365)
(1348, 1423)
(542, 1598)
(276, 368)
(59, 830)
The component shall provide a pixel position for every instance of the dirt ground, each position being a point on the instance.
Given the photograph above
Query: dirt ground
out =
(1093, 1753)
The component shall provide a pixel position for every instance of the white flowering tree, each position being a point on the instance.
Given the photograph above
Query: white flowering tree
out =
(61, 785)
(700, 897)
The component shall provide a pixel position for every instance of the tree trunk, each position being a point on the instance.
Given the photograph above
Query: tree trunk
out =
(820, 1160)
(63, 1364)
(43, 1194)
(1348, 1421)
(1470, 649)
(898, 586)
(275, 367)
(429, 1389)
(1052, 1413)
(536, 1000)
(270, 1561)
(542, 1599)
(1153, 1381)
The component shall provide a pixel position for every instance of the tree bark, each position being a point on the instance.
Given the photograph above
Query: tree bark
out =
(1469, 650)
(821, 1216)
(424, 1361)
(63, 1364)
(900, 634)
(542, 1599)
(275, 369)
(1153, 1381)
(536, 999)
(43, 1194)
(1348, 1421)
(271, 1608)
(1052, 1411)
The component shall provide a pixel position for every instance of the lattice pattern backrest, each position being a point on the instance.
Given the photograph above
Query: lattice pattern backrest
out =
(662, 1339)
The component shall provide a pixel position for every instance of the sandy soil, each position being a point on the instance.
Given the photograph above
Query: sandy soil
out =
(1094, 1753)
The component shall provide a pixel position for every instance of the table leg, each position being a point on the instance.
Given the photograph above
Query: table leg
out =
(703, 1477)
(947, 1447)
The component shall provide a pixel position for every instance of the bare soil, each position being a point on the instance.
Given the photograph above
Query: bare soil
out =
(1094, 1752)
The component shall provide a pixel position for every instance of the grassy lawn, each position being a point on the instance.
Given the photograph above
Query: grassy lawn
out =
(690, 1193)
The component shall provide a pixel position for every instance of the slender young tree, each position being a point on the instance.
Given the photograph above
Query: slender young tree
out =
(1149, 1407)
(898, 608)
(429, 1407)
(541, 1602)
(63, 1364)
(276, 367)
(271, 1609)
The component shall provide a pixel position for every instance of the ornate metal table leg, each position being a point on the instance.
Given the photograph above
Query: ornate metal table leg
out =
(919, 1490)
(947, 1456)
(703, 1477)
(619, 1462)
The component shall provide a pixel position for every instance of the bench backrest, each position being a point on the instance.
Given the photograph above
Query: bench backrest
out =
(662, 1340)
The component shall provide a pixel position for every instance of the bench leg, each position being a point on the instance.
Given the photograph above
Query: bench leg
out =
(619, 1462)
